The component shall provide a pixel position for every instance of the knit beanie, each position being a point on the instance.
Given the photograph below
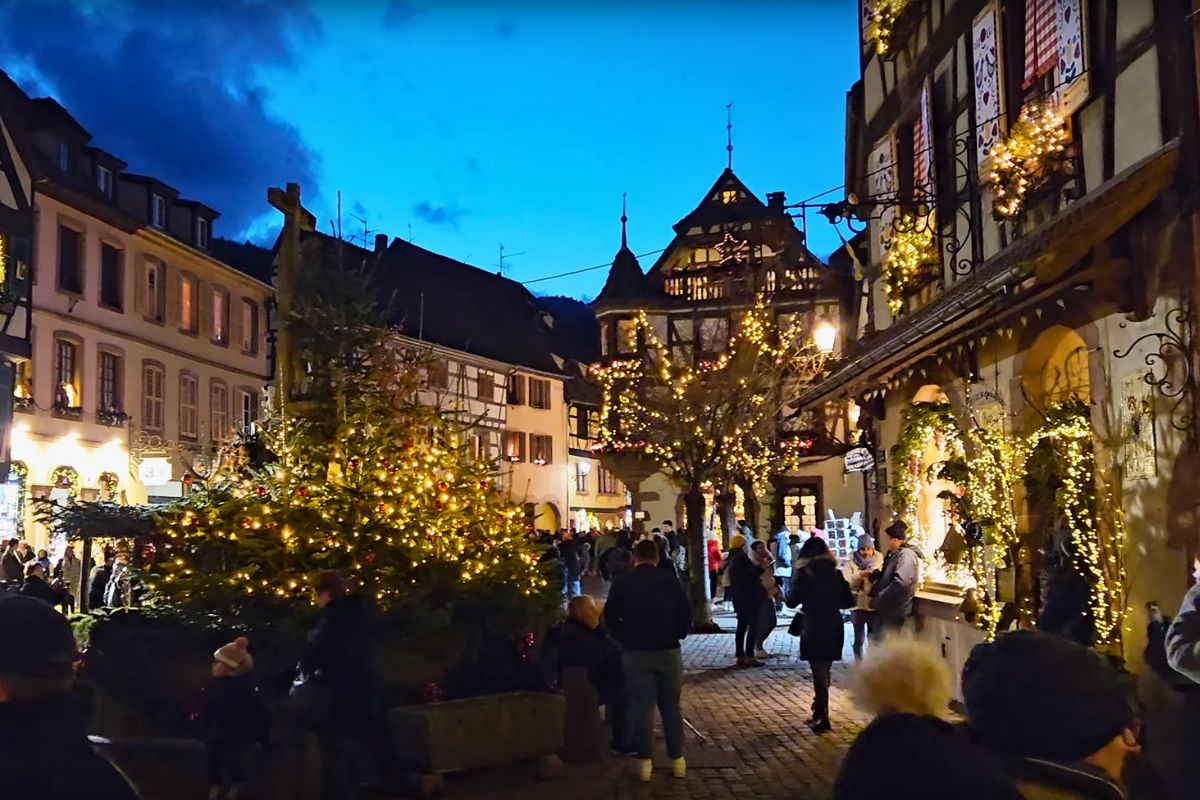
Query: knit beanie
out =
(737, 542)
(235, 655)
(866, 540)
(1036, 695)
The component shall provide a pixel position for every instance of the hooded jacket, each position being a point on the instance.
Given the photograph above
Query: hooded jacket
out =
(1183, 637)
(647, 610)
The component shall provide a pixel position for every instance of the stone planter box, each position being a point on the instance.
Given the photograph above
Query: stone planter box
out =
(479, 732)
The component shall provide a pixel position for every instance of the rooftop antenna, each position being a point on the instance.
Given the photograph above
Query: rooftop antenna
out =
(410, 233)
(501, 267)
(339, 214)
(366, 231)
(729, 133)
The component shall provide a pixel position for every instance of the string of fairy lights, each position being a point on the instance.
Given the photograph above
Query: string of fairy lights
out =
(718, 415)
(1019, 161)
(994, 462)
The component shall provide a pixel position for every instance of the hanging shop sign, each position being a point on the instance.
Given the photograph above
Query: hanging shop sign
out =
(154, 471)
(859, 460)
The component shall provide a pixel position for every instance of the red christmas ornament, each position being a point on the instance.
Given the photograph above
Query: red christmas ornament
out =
(483, 484)
(302, 491)
(369, 556)
(352, 463)
(329, 539)
(409, 444)
(261, 491)
(432, 693)
(443, 486)
(244, 522)
(187, 479)
(437, 505)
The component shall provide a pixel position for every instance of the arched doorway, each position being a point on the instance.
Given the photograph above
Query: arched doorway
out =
(547, 518)
(1056, 385)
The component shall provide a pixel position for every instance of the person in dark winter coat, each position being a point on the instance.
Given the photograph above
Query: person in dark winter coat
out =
(909, 751)
(1061, 717)
(1182, 640)
(748, 594)
(339, 655)
(232, 718)
(820, 590)
(12, 571)
(649, 614)
(584, 642)
(35, 585)
(47, 753)
(572, 551)
(99, 583)
(893, 588)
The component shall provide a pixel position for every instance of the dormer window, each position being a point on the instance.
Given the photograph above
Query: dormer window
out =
(202, 231)
(104, 180)
(64, 156)
(158, 211)
(729, 196)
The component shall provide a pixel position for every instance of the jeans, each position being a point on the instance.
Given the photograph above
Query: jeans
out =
(859, 620)
(618, 718)
(821, 678)
(572, 588)
(746, 635)
(226, 762)
(654, 678)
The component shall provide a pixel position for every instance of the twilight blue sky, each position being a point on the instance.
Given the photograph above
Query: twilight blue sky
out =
(474, 122)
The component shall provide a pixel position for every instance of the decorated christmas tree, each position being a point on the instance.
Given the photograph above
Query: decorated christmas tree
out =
(352, 474)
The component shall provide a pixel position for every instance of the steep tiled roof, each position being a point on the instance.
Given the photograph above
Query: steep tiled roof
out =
(446, 302)
(245, 257)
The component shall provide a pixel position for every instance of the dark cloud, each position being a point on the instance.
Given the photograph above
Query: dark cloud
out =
(170, 87)
(438, 215)
(399, 13)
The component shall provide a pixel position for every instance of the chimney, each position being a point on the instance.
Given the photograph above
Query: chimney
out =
(775, 201)
(381, 242)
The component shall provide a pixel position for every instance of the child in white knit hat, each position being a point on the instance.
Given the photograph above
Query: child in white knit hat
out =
(232, 717)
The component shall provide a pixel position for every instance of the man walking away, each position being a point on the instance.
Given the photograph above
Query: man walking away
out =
(896, 583)
(649, 614)
(38, 709)
(859, 568)
(574, 557)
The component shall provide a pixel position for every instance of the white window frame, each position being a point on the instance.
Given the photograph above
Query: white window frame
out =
(104, 180)
(203, 232)
(153, 290)
(158, 211)
(117, 403)
(247, 411)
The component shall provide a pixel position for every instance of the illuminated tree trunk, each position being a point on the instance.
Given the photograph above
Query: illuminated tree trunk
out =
(725, 516)
(697, 561)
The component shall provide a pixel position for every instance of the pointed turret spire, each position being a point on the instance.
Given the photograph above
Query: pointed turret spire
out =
(624, 219)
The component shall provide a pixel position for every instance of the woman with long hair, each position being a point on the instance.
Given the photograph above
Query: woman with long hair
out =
(821, 592)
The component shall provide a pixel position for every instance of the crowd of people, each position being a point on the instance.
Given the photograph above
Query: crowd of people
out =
(59, 582)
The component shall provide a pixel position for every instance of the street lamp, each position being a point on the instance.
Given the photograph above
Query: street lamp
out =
(824, 336)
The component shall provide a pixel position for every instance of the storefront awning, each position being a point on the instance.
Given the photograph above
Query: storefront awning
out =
(1045, 254)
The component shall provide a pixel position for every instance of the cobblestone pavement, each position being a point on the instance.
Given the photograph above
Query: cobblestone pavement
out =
(757, 745)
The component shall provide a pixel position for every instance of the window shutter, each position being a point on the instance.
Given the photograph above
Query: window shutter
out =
(521, 445)
(204, 301)
(985, 52)
(1072, 74)
(1041, 39)
(174, 286)
(923, 148)
(234, 313)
